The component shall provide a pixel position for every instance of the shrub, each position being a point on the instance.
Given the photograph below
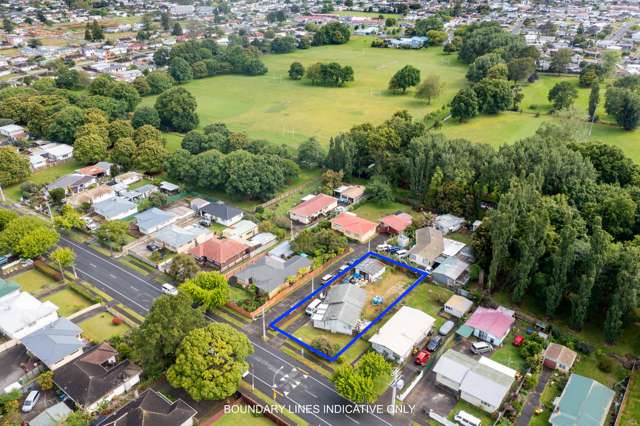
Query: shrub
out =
(47, 270)
(117, 321)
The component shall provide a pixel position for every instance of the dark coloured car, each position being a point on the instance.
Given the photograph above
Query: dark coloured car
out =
(434, 343)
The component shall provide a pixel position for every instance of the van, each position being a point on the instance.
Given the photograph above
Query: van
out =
(30, 401)
(467, 419)
(481, 348)
(327, 278)
(402, 253)
(311, 307)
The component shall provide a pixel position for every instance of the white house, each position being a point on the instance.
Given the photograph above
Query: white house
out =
(458, 306)
(405, 330)
(22, 314)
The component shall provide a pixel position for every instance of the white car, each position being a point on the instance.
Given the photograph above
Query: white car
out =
(169, 289)
(30, 401)
(383, 247)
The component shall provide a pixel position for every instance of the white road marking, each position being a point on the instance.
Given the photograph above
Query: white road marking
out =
(113, 289)
(113, 276)
(311, 393)
(92, 265)
(352, 419)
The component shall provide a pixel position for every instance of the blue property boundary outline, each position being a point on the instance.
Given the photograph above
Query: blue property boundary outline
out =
(422, 275)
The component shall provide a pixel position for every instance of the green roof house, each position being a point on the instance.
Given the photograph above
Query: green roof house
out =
(7, 287)
(584, 402)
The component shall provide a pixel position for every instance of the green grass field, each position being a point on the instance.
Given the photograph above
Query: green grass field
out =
(33, 281)
(243, 418)
(430, 299)
(99, 327)
(631, 411)
(68, 301)
(43, 176)
(285, 111)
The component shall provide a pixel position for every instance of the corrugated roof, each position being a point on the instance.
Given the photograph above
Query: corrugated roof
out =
(584, 402)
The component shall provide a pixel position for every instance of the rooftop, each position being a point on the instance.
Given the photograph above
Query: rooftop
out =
(584, 402)
(313, 205)
(53, 342)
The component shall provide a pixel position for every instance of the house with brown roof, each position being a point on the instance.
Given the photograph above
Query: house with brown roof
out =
(97, 376)
(152, 409)
(221, 253)
(312, 207)
(395, 223)
(91, 196)
(559, 357)
(429, 245)
(354, 227)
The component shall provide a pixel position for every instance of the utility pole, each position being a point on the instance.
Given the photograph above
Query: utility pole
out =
(264, 325)
(312, 279)
(49, 209)
(394, 388)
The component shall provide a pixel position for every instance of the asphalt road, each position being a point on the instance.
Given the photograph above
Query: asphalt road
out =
(307, 393)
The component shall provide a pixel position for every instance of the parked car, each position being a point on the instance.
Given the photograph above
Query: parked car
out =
(402, 253)
(327, 278)
(169, 289)
(423, 357)
(467, 419)
(312, 307)
(344, 268)
(518, 340)
(481, 348)
(434, 343)
(383, 247)
(153, 247)
(30, 401)
(446, 328)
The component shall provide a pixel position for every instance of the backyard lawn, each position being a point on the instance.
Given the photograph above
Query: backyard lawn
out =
(33, 281)
(474, 411)
(307, 333)
(68, 301)
(374, 212)
(390, 286)
(237, 294)
(243, 418)
(43, 176)
(429, 298)
(99, 327)
(509, 355)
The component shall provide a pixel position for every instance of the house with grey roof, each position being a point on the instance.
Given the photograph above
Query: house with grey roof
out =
(483, 383)
(56, 343)
(341, 310)
(145, 190)
(73, 183)
(52, 416)
(271, 274)
(584, 402)
(429, 245)
(152, 409)
(115, 208)
(152, 220)
(371, 268)
(222, 213)
(181, 239)
(448, 223)
(452, 271)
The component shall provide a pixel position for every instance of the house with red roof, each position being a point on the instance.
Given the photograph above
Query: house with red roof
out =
(312, 207)
(221, 253)
(395, 223)
(354, 227)
(491, 325)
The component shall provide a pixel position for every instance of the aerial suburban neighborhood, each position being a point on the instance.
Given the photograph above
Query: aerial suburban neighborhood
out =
(325, 212)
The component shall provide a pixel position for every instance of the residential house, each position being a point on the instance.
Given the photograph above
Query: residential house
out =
(52, 416)
(312, 207)
(7, 289)
(371, 269)
(98, 170)
(448, 223)
(152, 408)
(37, 161)
(429, 245)
(242, 230)
(13, 132)
(349, 194)
(169, 188)
(559, 357)
(261, 240)
(221, 253)
(483, 383)
(583, 402)
(197, 203)
(154, 219)
(56, 343)
(115, 208)
(221, 213)
(145, 190)
(128, 178)
(341, 309)
(271, 274)
(458, 306)
(282, 250)
(403, 332)
(395, 223)
(181, 239)
(91, 196)
(21, 314)
(96, 377)
(452, 271)
(354, 227)
(73, 183)
(54, 152)
(491, 325)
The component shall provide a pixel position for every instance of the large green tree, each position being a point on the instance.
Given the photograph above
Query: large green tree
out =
(210, 289)
(177, 110)
(15, 167)
(90, 149)
(156, 341)
(562, 95)
(465, 105)
(210, 362)
(404, 78)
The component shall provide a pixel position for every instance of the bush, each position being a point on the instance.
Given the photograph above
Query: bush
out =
(117, 321)
(47, 270)
(323, 345)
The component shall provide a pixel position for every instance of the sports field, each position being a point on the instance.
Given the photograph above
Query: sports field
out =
(285, 111)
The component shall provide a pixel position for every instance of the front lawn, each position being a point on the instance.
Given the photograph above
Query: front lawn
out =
(68, 301)
(308, 333)
(33, 281)
(238, 294)
(47, 175)
(243, 418)
(100, 328)
(509, 355)
(473, 410)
